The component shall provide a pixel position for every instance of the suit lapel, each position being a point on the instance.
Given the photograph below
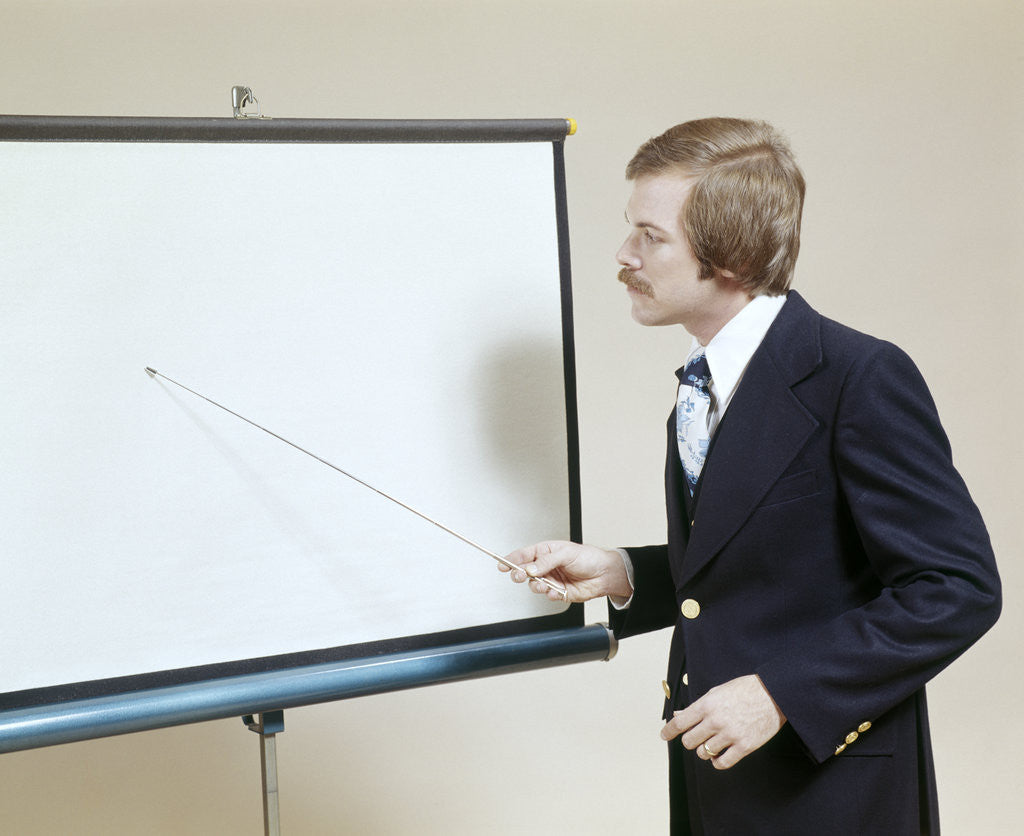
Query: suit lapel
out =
(766, 428)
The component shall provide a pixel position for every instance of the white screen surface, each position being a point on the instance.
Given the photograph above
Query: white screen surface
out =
(394, 309)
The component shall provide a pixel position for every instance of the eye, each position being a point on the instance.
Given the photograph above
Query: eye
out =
(650, 237)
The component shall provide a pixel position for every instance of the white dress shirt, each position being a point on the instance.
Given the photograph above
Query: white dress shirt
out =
(728, 356)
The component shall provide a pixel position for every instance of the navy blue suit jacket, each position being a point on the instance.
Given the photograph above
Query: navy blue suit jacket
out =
(836, 552)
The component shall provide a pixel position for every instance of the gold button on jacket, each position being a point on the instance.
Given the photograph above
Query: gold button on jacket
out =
(690, 608)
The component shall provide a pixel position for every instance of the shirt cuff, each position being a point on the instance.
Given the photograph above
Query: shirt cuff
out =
(623, 603)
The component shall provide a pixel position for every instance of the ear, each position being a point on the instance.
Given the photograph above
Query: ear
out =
(730, 281)
(726, 278)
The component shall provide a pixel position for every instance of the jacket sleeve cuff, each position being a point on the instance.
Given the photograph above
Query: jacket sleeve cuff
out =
(653, 603)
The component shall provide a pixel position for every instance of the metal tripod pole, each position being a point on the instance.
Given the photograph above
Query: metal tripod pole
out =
(267, 725)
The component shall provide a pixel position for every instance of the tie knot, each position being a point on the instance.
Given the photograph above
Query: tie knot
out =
(696, 373)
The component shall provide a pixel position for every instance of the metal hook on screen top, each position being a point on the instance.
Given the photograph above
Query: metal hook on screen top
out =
(241, 97)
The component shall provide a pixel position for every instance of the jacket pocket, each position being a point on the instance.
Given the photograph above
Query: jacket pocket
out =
(790, 488)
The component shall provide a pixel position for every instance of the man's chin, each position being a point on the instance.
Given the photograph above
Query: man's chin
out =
(642, 313)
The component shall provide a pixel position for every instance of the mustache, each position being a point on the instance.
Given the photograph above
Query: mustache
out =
(630, 279)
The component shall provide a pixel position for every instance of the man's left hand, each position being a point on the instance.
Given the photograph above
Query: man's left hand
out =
(729, 722)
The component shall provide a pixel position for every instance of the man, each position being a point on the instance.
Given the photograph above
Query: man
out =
(824, 558)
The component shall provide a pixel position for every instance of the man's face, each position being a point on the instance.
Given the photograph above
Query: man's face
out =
(659, 268)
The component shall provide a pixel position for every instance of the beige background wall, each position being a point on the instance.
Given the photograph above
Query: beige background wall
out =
(907, 119)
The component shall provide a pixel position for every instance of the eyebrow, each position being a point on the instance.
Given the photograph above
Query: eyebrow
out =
(644, 224)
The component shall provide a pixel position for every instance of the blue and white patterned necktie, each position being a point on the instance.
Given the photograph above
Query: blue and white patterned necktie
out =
(692, 406)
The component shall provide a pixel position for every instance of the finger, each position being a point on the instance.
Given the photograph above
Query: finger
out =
(547, 557)
(683, 722)
(712, 749)
(729, 758)
(672, 730)
(518, 576)
(525, 559)
(521, 556)
(694, 738)
(540, 587)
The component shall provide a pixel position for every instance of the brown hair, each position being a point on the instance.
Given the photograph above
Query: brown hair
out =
(743, 212)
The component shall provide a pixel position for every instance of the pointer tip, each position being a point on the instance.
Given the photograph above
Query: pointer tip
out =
(150, 372)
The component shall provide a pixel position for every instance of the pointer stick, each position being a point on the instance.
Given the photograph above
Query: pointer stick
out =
(560, 590)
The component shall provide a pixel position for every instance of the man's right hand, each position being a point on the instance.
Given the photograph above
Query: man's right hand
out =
(585, 571)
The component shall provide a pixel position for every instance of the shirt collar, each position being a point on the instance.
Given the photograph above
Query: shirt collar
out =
(731, 348)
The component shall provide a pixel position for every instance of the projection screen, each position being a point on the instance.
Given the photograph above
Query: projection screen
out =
(392, 297)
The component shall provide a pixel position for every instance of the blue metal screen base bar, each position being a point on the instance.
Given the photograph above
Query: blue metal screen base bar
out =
(216, 699)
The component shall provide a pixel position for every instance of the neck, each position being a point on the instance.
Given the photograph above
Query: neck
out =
(716, 320)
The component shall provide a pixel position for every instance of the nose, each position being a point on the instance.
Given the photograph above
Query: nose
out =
(627, 256)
